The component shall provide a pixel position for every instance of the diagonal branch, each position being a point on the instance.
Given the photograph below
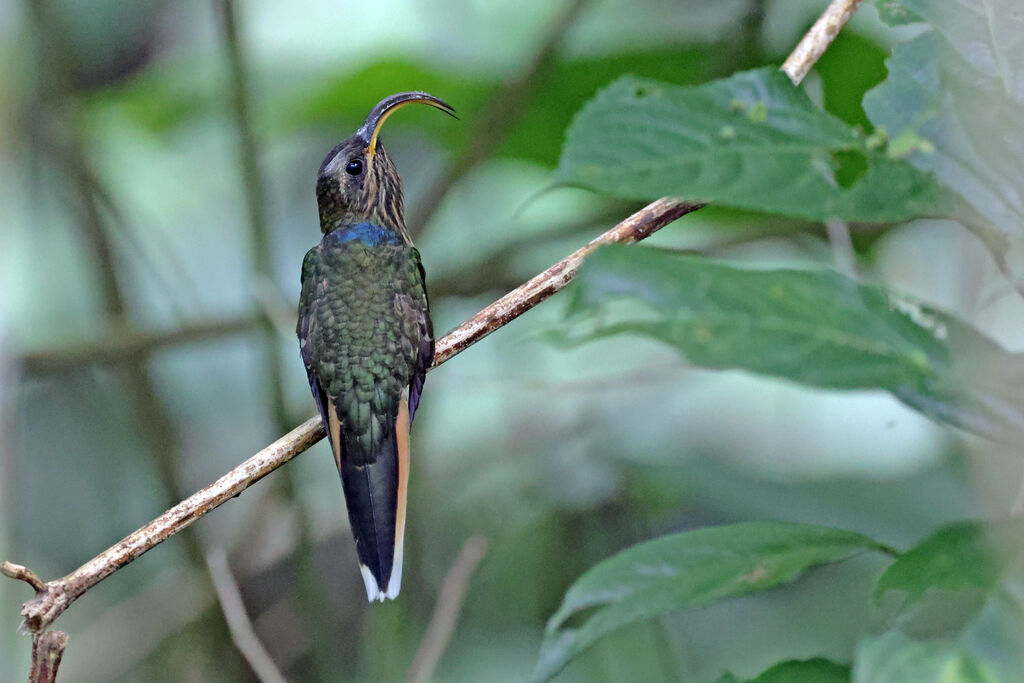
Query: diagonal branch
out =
(56, 596)
(813, 45)
(446, 612)
(242, 632)
(640, 225)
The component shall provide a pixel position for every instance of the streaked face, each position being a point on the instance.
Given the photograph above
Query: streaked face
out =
(354, 184)
(357, 180)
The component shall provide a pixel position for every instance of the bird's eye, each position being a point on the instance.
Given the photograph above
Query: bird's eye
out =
(354, 166)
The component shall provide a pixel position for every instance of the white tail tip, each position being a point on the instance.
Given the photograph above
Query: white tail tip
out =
(373, 591)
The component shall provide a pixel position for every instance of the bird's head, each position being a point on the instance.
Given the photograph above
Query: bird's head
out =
(358, 181)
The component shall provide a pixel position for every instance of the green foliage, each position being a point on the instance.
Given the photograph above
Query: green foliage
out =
(896, 13)
(955, 558)
(683, 571)
(560, 459)
(895, 658)
(798, 671)
(815, 327)
(986, 650)
(919, 144)
(948, 89)
(752, 141)
(852, 65)
(538, 136)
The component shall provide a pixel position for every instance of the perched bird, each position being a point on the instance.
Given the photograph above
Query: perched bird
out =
(366, 337)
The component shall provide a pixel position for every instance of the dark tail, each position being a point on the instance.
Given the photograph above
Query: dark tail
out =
(375, 495)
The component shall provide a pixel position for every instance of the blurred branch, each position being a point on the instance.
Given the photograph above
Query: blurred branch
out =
(817, 40)
(151, 415)
(842, 246)
(447, 610)
(253, 188)
(120, 343)
(750, 41)
(242, 632)
(498, 117)
(128, 233)
(273, 310)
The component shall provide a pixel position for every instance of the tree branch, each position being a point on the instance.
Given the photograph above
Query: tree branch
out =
(813, 46)
(242, 632)
(23, 573)
(640, 225)
(47, 646)
(120, 343)
(47, 651)
(253, 185)
(57, 595)
(271, 301)
(446, 612)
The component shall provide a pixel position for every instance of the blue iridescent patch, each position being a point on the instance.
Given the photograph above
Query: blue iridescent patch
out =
(369, 234)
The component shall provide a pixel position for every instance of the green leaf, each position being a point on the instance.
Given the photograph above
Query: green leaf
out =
(895, 658)
(957, 88)
(682, 571)
(798, 671)
(815, 327)
(955, 558)
(895, 13)
(986, 34)
(752, 141)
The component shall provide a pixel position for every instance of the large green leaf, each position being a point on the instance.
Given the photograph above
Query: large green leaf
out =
(798, 671)
(752, 141)
(683, 571)
(958, 557)
(954, 101)
(815, 327)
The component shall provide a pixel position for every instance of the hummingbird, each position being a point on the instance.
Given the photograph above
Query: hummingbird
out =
(366, 337)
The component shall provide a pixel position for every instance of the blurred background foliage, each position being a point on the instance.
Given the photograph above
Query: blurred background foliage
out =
(156, 179)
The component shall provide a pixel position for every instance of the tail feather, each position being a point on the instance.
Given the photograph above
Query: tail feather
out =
(402, 446)
(375, 495)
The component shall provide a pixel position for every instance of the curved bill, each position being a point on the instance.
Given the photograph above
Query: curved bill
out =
(386, 107)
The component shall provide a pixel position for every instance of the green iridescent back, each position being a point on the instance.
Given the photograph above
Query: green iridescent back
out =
(367, 330)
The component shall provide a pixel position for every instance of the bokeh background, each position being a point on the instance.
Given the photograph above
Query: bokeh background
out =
(157, 161)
